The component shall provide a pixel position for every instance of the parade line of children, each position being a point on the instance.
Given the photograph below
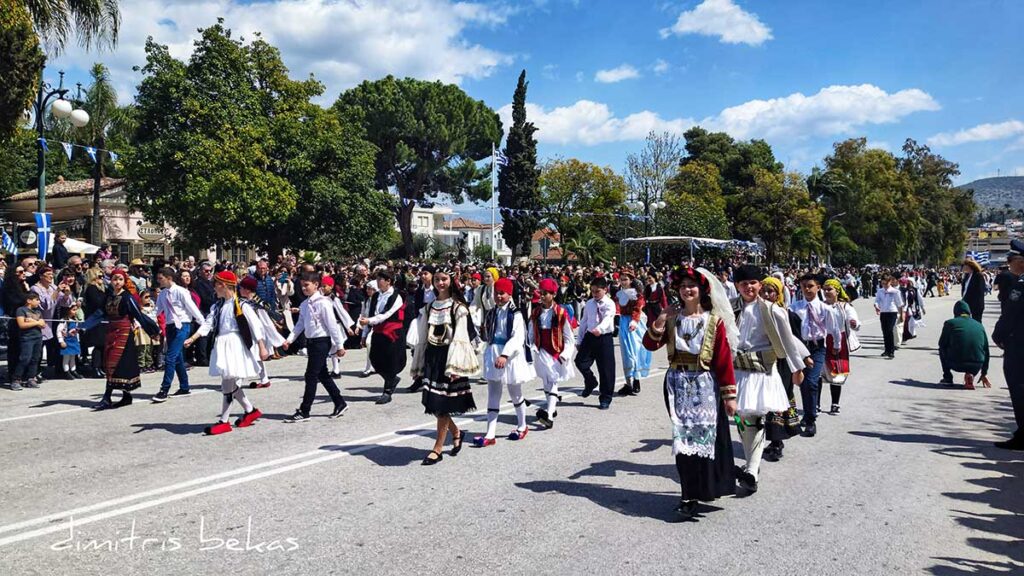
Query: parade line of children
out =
(729, 360)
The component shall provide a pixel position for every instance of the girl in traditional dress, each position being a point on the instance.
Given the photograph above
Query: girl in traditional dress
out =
(636, 360)
(444, 358)
(837, 364)
(700, 386)
(781, 426)
(120, 355)
(70, 347)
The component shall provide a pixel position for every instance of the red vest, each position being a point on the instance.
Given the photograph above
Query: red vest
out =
(550, 339)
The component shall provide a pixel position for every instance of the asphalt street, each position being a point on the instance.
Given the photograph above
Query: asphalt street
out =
(905, 480)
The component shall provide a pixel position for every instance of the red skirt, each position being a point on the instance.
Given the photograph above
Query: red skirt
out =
(837, 363)
(120, 355)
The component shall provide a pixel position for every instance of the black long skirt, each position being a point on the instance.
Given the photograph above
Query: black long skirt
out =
(444, 396)
(702, 478)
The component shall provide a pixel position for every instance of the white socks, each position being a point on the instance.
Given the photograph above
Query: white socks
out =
(238, 395)
(551, 389)
(515, 391)
(753, 448)
(69, 363)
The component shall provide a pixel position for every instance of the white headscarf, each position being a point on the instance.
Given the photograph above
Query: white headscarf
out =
(721, 307)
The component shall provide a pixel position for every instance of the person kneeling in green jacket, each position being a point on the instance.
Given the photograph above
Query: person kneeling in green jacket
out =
(963, 347)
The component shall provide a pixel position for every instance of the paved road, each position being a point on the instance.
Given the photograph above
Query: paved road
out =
(904, 481)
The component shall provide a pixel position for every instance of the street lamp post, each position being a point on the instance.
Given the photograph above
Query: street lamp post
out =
(648, 206)
(61, 109)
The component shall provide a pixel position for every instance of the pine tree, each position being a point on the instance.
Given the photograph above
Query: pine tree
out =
(519, 177)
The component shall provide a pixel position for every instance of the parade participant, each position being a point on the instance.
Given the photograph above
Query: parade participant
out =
(340, 314)
(817, 323)
(764, 338)
(889, 308)
(1009, 336)
(120, 354)
(700, 386)
(636, 360)
(237, 336)
(423, 296)
(504, 334)
(179, 310)
(383, 327)
(594, 343)
(550, 333)
(445, 359)
(781, 426)
(837, 362)
(269, 317)
(323, 337)
(370, 288)
(963, 347)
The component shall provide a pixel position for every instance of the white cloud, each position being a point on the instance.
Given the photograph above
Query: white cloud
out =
(834, 110)
(617, 74)
(979, 133)
(342, 43)
(660, 66)
(721, 18)
(590, 123)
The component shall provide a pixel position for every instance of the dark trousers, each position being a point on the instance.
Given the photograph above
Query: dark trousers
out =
(29, 354)
(1013, 371)
(175, 360)
(949, 367)
(53, 359)
(888, 320)
(317, 350)
(387, 358)
(600, 349)
(810, 390)
(13, 347)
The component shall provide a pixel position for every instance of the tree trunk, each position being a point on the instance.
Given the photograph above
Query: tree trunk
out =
(405, 227)
(96, 231)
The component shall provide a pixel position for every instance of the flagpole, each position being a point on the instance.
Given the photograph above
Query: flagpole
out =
(494, 180)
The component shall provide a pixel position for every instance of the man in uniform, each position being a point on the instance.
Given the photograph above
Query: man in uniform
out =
(1009, 335)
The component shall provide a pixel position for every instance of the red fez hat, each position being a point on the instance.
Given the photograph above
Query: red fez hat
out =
(226, 277)
(503, 285)
(477, 276)
(249, 283)
(548, 285)
(327, 281)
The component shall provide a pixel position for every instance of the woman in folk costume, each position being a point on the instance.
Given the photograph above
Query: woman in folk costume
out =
(781, 426)
(554, 345)
(120, 356)
(445, 359)
(272, 339)
(837, 364)
(764, 339)
(636, 360)
(700, 386)
(505, 364)
(238, 348)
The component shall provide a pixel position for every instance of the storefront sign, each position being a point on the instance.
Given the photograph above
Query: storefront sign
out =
(151, 232)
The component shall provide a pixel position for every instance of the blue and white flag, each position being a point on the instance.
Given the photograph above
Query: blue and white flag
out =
(113, 156)
(500, 158)
(42, 142)
(9, 245)
(67, 149)
(983, 257)
(43, 232)
(91, 152)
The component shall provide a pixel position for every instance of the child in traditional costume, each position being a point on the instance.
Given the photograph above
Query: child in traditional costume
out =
(553, 342)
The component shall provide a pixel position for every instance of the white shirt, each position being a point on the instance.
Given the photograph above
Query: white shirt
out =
(889, 300)
(599, 315)
(178, 306)
(316, 320)
(817, 321)
(382, 313)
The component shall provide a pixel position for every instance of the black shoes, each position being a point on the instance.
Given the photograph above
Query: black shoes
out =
(103, 405)
(834, 409)
(636, 386)
(339, 409)
(125, 400)
(687, 509)
(1015, 443)
(773, 453)
(457, 443)
(746, 480)
(809, 431)
(588, 389)
(297, 417)
(181, 392)
(544, 419)
(416, 386)
(428, 461)
(161, 396)
(604, 405)
(383, 398)
(626, 390)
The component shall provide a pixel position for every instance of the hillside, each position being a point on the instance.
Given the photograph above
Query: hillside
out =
(995, 193)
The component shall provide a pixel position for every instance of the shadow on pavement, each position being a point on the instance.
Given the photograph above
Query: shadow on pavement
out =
(383, 455)
(656, 505)
(172, 427)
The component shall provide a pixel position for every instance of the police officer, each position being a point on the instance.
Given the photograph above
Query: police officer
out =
(1009, 335)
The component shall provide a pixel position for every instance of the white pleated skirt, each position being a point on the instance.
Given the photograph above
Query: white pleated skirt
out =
(551, 370)
(231, 360)
(516, 371)
(758, 393)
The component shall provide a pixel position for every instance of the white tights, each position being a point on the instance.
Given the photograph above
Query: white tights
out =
(515, 392)
(70, 363)
(551, 390)
(753, 447)
(238, 394)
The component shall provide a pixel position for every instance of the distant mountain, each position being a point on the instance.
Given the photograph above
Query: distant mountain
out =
(996, 193)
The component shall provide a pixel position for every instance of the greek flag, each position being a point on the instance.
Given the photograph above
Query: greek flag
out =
(43, 232)
(91, 152)
(42, 142)
(67, 148)
(500, 158)
(9, 245)
(983, 257)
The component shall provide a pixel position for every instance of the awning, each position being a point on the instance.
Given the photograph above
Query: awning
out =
(79, 247)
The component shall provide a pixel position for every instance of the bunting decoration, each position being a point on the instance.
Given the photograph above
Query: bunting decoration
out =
(9, 245)
(90, 150)
(42, 142)
(67, 149)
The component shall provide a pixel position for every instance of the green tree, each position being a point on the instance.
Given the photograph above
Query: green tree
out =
(21, 58)
(93, 22)
(230, 149)
(587, 246)
(694, 203)
(777, 209)
(17, 162)
(429, 138)
(579, 195)
(519, 178)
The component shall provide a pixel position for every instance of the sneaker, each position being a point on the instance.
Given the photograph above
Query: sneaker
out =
(16, 386)
(834, 409)
(31, 383)
(809, 431)
(161, 396)
(297, 417)
(181, 392)
(339, 409)
(383, 399)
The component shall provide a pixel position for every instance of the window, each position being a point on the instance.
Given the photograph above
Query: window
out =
(122, 251)
(150, 249)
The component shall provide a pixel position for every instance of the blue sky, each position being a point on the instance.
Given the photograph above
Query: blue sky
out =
(801, 74)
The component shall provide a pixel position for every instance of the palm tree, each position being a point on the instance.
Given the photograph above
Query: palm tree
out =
(94, 22)
(109, 123)
(586, 246)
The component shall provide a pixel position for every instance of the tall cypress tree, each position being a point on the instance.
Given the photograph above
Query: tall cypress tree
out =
(519, 178)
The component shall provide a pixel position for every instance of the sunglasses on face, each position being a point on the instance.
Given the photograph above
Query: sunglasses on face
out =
(19, 271)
